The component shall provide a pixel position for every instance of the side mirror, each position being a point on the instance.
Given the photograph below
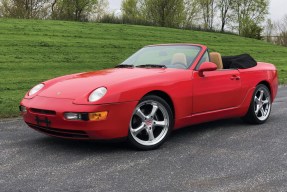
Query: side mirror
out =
(206, 66)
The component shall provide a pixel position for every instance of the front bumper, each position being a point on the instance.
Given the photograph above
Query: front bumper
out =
(47, 116)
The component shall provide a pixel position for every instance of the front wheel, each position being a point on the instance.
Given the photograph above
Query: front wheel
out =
(151, 123)
(260, 106)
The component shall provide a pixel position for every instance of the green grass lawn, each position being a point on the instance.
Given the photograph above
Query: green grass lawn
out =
(32, 51)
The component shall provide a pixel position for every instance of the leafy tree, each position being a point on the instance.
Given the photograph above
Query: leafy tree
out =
(77, 10)
(99, 10)
(192, 10)
(25, 9)
(269, 29)
(165, 13)
(251, 29)
(248, 13)
(130, 9)
(281, 29)
(224, 7)
(208, 11)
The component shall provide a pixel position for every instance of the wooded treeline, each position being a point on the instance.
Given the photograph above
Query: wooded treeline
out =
(243, 17)
(77, 10)
(276, 31)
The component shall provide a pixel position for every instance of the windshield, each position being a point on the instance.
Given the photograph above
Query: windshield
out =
(170, 56)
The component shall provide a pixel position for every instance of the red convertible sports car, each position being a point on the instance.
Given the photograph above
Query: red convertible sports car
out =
(158, 89)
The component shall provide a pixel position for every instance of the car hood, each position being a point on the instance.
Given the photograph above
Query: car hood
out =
(81, 85)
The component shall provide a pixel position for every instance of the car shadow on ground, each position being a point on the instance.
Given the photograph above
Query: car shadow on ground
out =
(209, 126)
(178, 136)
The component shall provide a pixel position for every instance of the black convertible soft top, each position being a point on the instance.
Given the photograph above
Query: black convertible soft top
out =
(243, 61)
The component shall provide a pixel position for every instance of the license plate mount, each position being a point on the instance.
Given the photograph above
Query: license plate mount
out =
(41, 121)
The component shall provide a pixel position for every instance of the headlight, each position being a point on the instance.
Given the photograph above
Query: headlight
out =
(97, 94)
(36, 89)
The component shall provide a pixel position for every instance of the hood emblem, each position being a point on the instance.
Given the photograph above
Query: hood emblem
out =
(59, 93)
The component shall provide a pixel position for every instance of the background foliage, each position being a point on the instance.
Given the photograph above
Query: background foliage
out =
(243, 17)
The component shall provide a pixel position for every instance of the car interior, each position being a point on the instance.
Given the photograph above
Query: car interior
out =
(217, 59)
(243, 61)
(179, 59)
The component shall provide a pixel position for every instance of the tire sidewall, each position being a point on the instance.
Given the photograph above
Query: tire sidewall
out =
(171, 123)
(254, 118)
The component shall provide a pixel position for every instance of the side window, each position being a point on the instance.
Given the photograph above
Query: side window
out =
(205, 58)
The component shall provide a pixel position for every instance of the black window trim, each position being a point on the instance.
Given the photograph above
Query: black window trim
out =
(198, 64)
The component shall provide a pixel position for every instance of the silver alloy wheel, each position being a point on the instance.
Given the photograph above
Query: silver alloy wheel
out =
(150, 123)
(262, 104)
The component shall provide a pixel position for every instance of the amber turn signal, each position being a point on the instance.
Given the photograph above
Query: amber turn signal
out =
(98, 116)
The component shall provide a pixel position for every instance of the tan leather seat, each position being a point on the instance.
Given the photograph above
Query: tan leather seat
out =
(179, 58)
(217, 59)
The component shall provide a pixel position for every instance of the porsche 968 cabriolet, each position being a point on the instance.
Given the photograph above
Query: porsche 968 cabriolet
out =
(158, 89)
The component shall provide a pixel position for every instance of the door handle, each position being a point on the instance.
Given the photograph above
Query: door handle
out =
(235, 77)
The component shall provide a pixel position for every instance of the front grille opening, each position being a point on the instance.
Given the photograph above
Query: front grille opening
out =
(42, 111)
(73, 134)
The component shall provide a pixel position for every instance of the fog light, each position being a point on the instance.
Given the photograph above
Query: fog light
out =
(98, 116)
(73, 116)
(22, 109)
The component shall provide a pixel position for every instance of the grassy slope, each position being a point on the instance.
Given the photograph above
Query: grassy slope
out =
(33, 51)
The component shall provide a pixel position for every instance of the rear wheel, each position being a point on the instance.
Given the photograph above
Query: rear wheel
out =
(260, 106)
(151, 123)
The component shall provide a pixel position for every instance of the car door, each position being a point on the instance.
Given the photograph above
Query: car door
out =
(217, 90)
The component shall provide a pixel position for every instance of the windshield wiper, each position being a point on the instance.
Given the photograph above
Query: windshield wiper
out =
(151, 66)
(124, 66)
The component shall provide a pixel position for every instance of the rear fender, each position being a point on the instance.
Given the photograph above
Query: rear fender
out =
(243, 109)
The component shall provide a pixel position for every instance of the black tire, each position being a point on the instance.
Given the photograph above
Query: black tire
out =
(259, 110)
(151, 123)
